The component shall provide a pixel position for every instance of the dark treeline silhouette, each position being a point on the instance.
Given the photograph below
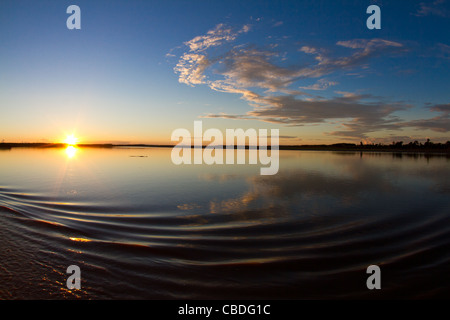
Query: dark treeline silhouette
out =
(395, 146)
(400, 146)
(6, 145)
(413, 145)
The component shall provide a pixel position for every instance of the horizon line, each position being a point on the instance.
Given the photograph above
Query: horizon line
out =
(395, 146)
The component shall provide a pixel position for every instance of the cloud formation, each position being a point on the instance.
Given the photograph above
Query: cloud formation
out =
(271, 87)
(360, 114)
(440, 123)
(246, 66)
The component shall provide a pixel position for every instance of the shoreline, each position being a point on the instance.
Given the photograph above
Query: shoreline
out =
(434, 148)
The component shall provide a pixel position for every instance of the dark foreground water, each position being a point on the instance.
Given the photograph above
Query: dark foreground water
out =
(140, 227)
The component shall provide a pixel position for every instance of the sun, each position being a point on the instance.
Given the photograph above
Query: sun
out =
(71, 140)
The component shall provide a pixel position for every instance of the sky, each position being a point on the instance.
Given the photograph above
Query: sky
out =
(138, 70)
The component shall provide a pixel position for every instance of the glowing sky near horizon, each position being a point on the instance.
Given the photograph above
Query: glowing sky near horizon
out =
(137, 70)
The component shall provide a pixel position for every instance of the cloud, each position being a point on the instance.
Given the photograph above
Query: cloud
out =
(191, 68)
(249, 67)
(192, 64)
(367, 49)
(367, 45)
(445, 108)
(246, 66)
(245, 28)
(435, 8)
(440, 123)
(358, 114)
(213, 38)
(268, 85)
(320, 55)
(322, 84)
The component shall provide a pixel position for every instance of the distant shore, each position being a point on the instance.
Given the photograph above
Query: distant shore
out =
(413, 148)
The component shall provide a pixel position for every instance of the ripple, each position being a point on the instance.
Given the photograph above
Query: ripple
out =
(308, 241)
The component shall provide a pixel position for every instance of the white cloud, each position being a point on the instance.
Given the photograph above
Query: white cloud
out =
(213, 38)
(191, 68)
(245, 28)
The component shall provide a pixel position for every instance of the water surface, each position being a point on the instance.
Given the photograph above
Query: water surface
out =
(140, 227)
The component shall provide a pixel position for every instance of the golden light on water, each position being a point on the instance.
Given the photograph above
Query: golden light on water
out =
(71, 151)
(71, 140)
(79, 239)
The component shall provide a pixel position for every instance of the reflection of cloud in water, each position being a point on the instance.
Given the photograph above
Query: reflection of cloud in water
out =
(235, 204)
(188, 206)
(219, 177)
(357, 183)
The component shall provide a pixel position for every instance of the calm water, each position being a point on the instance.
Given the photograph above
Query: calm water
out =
(140, 227)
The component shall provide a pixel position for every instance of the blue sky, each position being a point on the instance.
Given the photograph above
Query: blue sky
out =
(137, 70)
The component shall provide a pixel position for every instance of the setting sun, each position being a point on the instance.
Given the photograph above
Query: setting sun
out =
(71, 140)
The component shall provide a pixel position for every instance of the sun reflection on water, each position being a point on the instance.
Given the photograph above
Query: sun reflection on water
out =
(71, 151)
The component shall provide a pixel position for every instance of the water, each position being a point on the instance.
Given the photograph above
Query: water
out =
(140, 227)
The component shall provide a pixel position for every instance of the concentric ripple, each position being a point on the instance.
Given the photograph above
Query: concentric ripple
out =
(309, 232)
